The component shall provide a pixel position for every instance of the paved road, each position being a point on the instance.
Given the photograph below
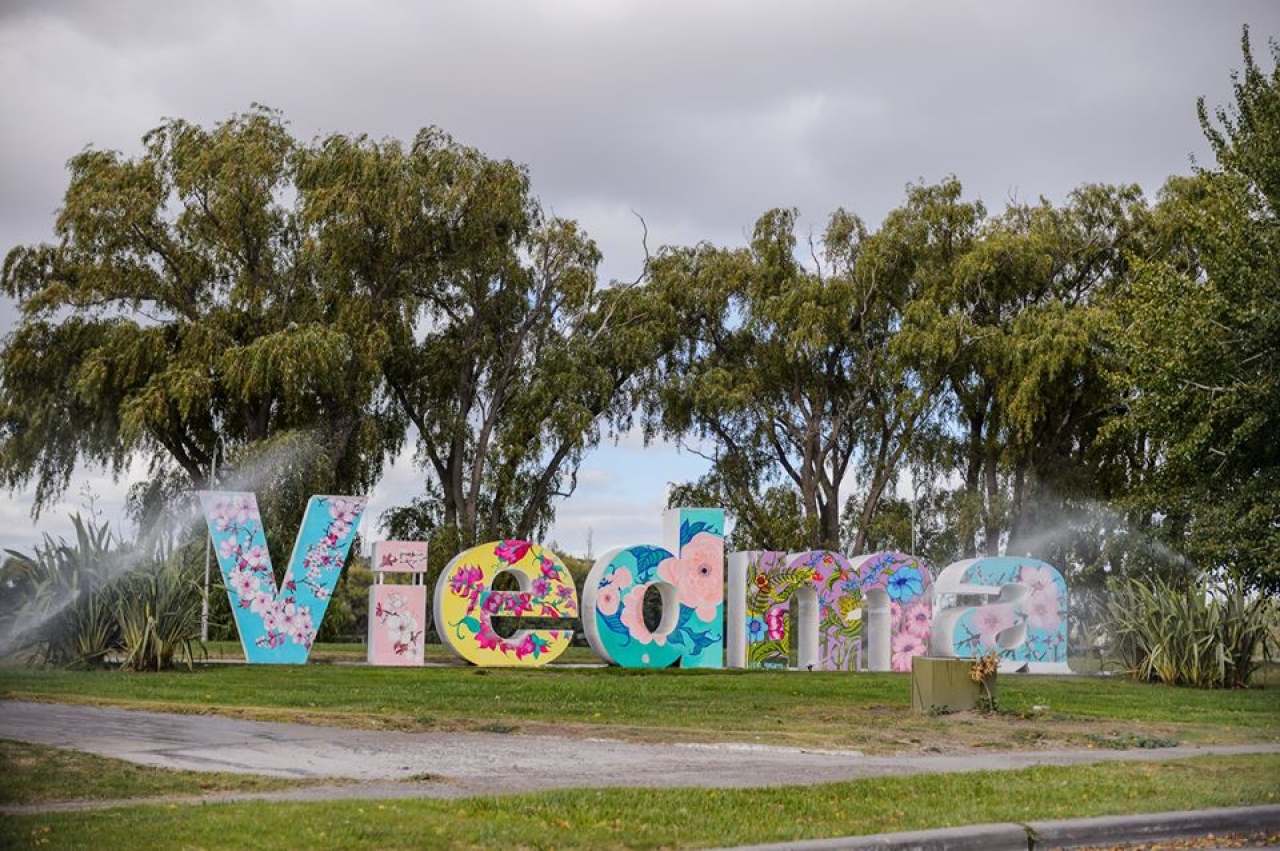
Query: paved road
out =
(485, 763)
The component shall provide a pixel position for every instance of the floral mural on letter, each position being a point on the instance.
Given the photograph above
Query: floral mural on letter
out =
(696, 579)
(279, 624)
(466, 604)
(840, 588)
(1043, 610)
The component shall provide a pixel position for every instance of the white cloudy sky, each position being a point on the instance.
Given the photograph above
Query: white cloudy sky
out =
(699, 116)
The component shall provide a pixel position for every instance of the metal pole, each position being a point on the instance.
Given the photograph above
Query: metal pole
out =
(208, 553)
(915, 499)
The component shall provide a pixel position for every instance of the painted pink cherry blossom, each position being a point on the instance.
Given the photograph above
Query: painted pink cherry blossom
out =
(698, 574)
(262, 604)
(345, 510)
(245, 584)
(905, 647)
(989, 621)
(228, 548)
(607, 600)
(633, 616)
(257, 557)
(1043, 612)
(1041, 581)
(610, 594)
(918, 619)
(244, 510)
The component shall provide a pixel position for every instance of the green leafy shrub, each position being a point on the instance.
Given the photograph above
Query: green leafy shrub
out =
(96, 600)
(1204, 635)
(158, 616)
(59, 609)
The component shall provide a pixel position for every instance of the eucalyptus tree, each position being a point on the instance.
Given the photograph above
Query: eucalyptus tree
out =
(178, 308)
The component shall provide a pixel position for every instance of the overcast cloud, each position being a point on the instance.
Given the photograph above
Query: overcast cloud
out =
(699, 116)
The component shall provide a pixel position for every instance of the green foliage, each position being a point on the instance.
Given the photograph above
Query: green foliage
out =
(60, 600)
(157, 611)
(1205, 636)
(499, 348)
(299, 307)
(1200, 334)
(180, 308)
(797, 376)
(95, 601)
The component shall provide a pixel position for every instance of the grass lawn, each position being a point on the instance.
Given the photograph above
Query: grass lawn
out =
(36, 773)
(668, 818)
(868, 712)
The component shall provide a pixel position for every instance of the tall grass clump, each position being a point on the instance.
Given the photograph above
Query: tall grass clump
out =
(157, 613)
(1204, 635)
(95, 600)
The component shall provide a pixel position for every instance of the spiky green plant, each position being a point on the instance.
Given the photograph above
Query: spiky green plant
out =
(60, 608)
(1210, 636)
(158, 613)
(96, 600)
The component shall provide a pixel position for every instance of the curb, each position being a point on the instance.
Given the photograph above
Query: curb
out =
(1069, 833)
(1153, 827)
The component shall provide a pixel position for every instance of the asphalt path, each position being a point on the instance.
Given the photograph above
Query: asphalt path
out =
(438, 764)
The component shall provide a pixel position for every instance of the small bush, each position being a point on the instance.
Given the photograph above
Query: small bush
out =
(1208, 636)
(95, 600)
(158, 614)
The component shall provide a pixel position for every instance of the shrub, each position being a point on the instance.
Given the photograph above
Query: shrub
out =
(158, 616)
(59, 610)
(1209, 636)
(95, 600)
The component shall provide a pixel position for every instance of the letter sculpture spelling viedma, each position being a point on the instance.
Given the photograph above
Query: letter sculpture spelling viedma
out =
(1026, 624)
(279, 626)
(690, 577)
(466, 604)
